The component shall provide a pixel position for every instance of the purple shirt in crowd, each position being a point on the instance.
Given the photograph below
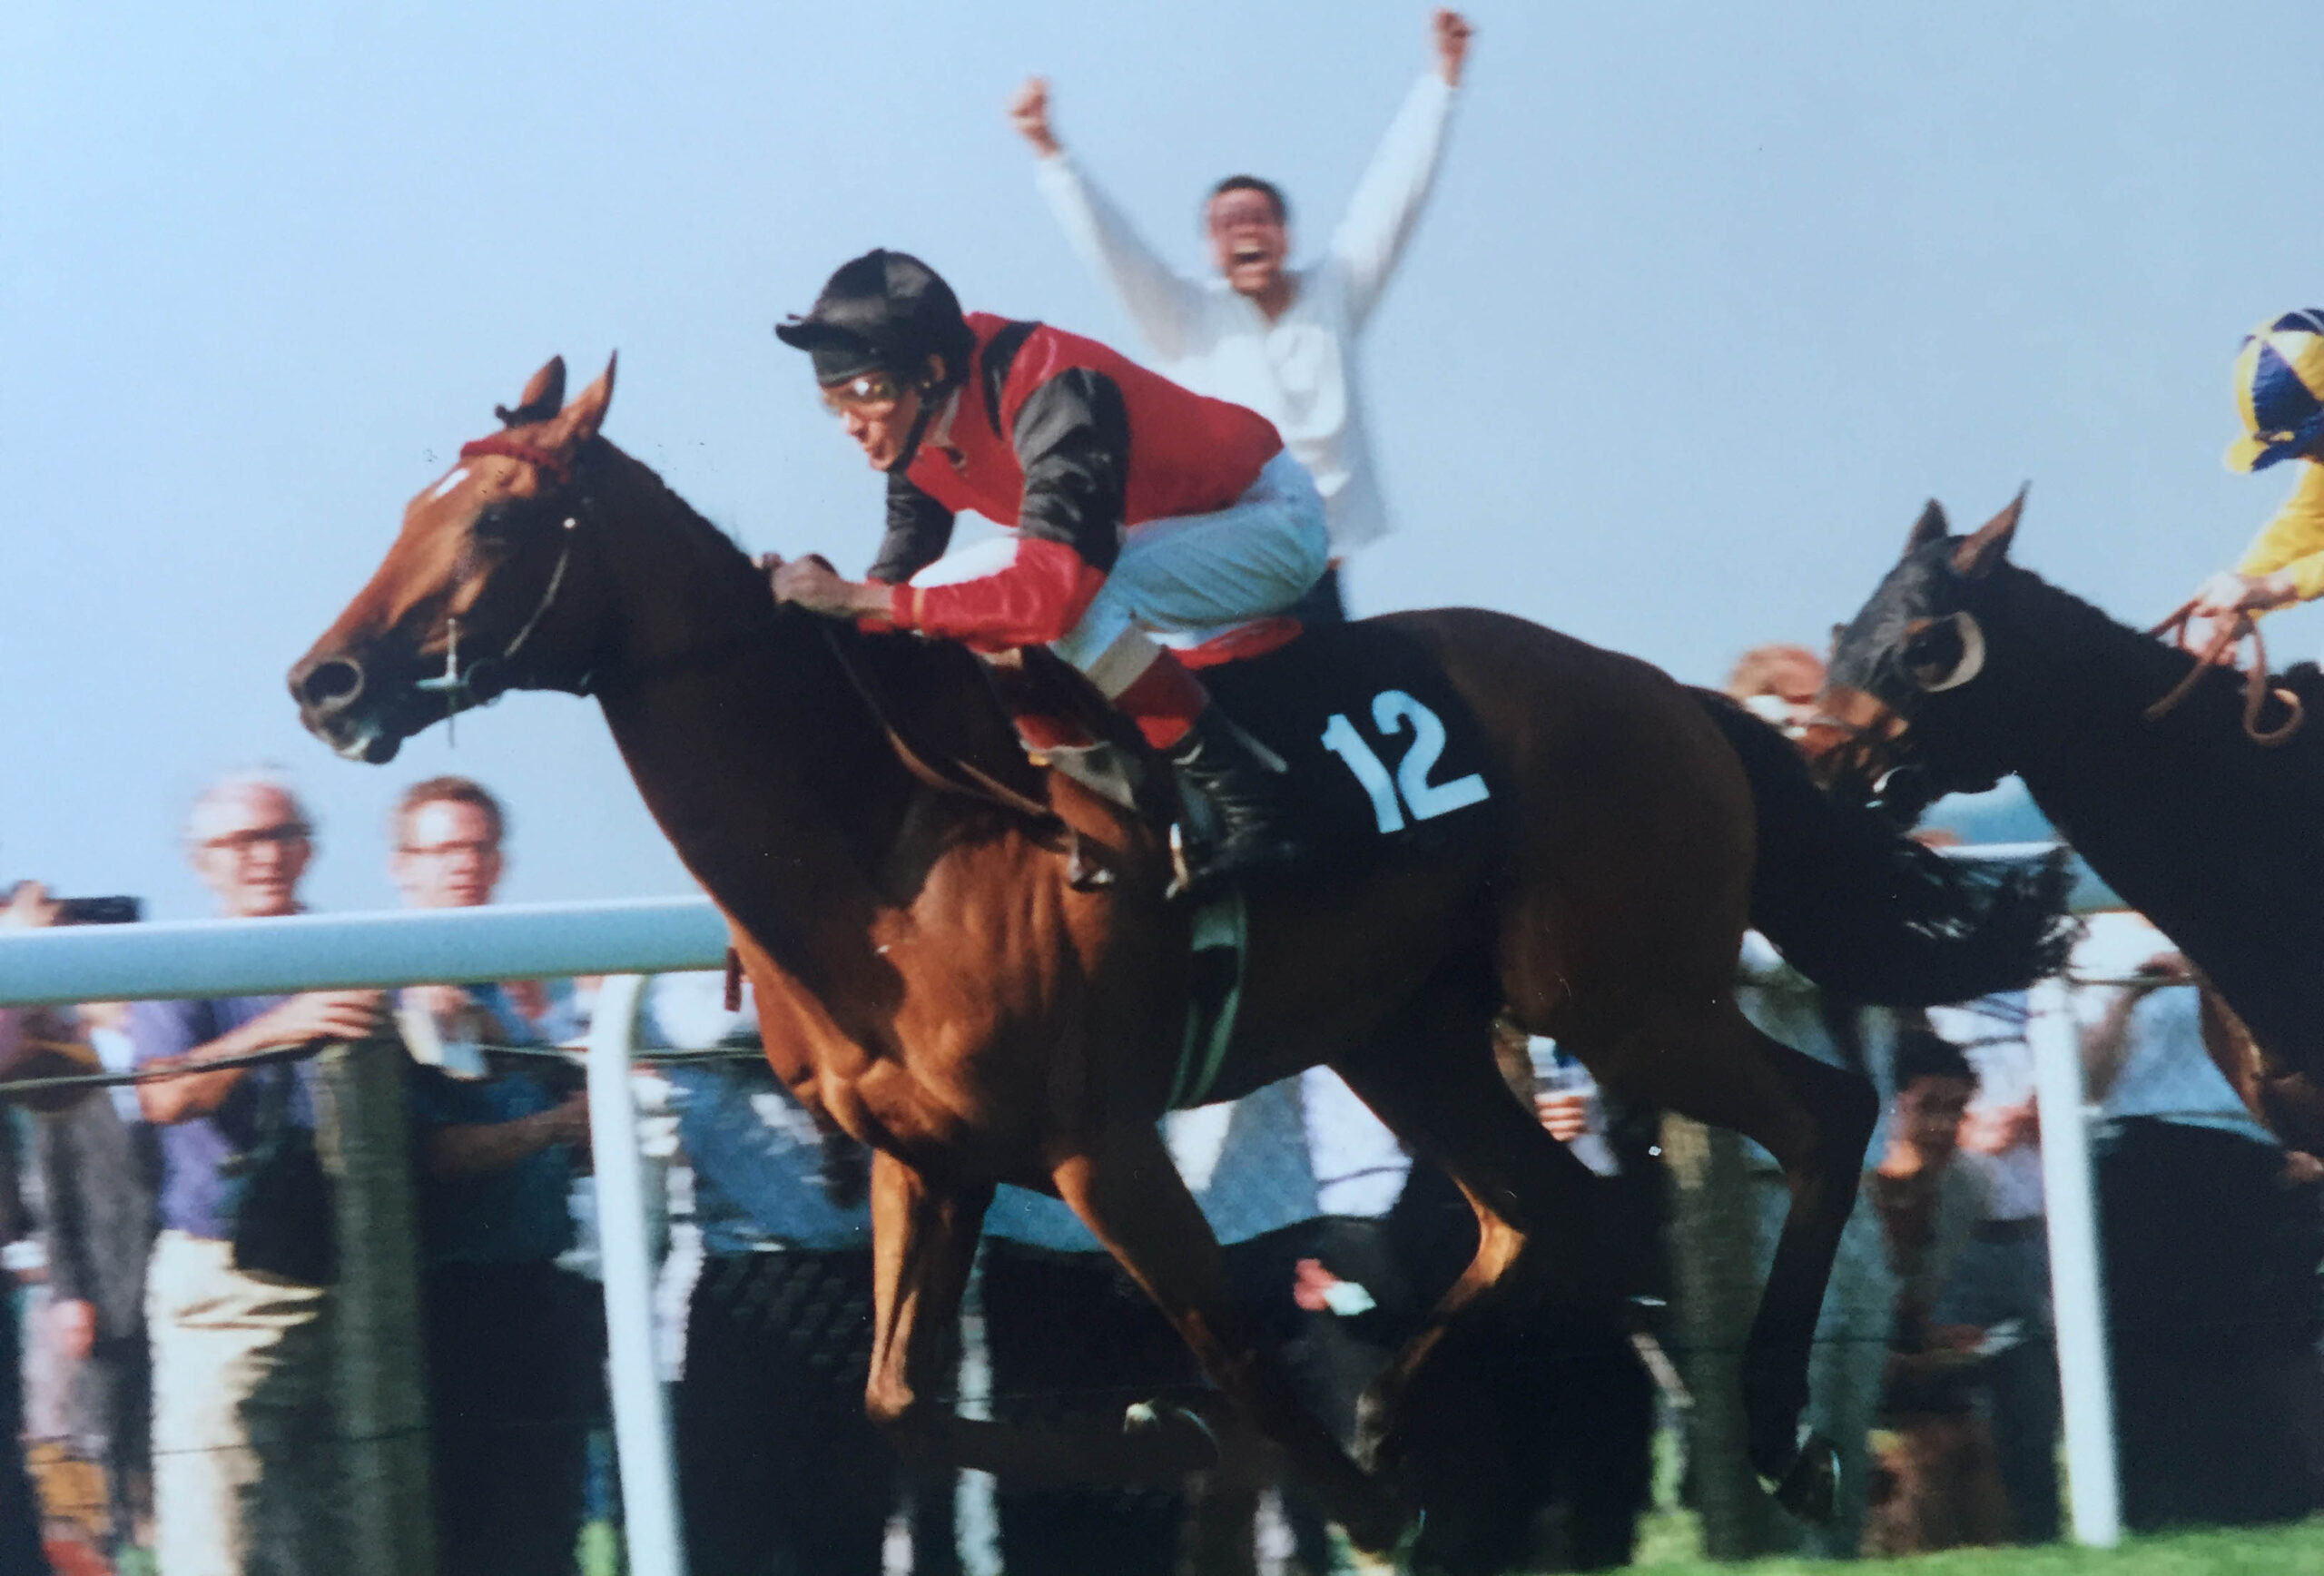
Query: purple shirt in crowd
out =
(200, 1158)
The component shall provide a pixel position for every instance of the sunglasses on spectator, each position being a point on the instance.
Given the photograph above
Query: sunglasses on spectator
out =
(873, 394)
(481, 848)
(243, 842)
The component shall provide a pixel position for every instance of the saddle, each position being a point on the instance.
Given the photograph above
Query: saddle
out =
(1383, 755)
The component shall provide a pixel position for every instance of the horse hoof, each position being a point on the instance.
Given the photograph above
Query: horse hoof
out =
(1173, 1432)
(1810, 1485)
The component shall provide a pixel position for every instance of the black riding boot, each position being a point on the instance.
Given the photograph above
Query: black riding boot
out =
(1221, 770)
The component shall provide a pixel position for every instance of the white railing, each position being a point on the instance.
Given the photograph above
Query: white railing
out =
(199, 958)
(539, 941)
(630, 939)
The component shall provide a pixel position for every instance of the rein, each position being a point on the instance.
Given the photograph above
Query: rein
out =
(979, 786)
(455, 682)
(2255, 678)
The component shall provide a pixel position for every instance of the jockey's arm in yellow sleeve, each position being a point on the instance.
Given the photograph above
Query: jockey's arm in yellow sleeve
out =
(2284, 563)
(2289, 548)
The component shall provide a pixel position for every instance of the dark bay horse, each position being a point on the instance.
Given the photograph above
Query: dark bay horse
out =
(935, 973)
(1963, 668)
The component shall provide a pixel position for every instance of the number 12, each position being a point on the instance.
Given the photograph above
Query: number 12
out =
(1392, 710)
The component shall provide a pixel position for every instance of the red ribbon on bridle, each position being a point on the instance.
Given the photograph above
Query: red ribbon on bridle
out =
(547, 463)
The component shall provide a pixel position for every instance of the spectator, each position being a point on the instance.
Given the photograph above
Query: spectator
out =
(2001, 1282)
(1778, 684)
(2210, 1240)
(100, 1170)
(247, 1474)
(779, 1469)
(1279, 340)
(1940, 1479)
(1352, 1287)
(514, 1341)
(20, 1517)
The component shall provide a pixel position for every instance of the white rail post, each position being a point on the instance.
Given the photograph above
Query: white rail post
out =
(641, 1411)
(2077, 1287)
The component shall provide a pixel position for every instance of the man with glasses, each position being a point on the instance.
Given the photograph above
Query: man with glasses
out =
(1261, 333)
(247, 1476)
(514, 1341)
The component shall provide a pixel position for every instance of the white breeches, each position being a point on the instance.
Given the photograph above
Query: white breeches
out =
(1183, 581)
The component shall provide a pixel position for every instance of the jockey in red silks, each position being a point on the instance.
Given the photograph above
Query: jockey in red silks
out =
(1137, 509)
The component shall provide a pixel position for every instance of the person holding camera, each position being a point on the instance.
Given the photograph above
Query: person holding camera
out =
(247, 1467)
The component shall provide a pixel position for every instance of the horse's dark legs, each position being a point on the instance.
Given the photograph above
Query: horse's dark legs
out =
(1434, 1082)
(1816, 1121)
(1126, 1191)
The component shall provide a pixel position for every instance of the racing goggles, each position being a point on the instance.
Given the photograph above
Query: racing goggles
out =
(874, 393)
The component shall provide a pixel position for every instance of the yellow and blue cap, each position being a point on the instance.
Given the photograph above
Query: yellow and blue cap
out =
(2280, 390)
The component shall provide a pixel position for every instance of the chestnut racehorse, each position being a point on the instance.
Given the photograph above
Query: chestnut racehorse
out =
(936, 972)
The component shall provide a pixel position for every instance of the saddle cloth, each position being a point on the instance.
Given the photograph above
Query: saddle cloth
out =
(1384, 755)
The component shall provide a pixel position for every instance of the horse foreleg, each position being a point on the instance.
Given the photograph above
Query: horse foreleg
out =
(1127, 1192)
(1816, 1121)
(923, 1240)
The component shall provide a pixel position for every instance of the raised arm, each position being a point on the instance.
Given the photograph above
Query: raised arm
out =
(1370, 240)
(1164, 304)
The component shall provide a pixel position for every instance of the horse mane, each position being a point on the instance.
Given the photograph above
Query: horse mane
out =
(933, 696)
(2168, 807)
(2215, 704)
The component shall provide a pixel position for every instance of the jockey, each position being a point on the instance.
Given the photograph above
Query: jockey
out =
(2279, 393)
(1137, 508)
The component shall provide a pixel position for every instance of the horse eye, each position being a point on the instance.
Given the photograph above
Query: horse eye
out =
(496, 526)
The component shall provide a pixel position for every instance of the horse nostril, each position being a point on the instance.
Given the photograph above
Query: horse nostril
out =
(330, 684)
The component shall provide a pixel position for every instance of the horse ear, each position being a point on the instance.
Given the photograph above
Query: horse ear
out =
(579, 422)
(540, 400)
(1977, 557)
(1932, 526)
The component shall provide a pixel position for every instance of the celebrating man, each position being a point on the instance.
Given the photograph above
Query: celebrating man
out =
(1278, 339)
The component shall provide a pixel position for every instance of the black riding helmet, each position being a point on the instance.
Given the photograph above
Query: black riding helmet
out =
(886, 311)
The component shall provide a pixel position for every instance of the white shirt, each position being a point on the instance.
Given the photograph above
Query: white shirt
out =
(1359, 1167)
(1300, 370)
(2166, 1074)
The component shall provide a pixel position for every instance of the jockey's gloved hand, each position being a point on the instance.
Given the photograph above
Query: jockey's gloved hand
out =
(812, 583)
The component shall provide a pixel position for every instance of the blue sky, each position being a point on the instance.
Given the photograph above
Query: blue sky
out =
(1710, 298)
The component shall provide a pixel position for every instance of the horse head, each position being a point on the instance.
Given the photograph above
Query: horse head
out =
(1910, 675)
(493, 583)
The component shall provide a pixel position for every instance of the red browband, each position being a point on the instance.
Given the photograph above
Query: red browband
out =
(551, 466)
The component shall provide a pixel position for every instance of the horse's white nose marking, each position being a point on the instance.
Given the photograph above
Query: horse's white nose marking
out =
(459, 474)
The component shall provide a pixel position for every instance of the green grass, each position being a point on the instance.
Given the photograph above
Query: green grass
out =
(1670, 1548)
(2296, 1550)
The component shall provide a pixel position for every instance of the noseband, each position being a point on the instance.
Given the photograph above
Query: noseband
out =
(455, 683)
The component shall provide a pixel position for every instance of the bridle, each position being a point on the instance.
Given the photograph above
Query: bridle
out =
(1869, 747)
(456, 684)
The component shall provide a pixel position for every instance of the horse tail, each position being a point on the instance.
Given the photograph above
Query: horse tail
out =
(1868, 913)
